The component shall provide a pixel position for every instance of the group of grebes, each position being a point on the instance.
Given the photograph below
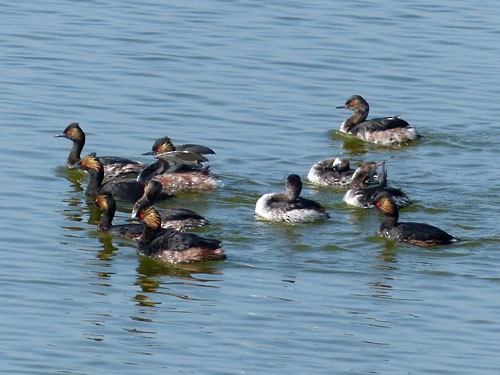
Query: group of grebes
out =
(367, 188)
(161, 233)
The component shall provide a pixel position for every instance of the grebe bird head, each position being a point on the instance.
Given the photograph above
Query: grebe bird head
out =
(365, 170)
(293, 186)
(152, 192)
(105, 202)
(356, 103)
(91, 162)
(149, 216)
(385, 205)
(73, 132)
(341, 164)
(160, 146)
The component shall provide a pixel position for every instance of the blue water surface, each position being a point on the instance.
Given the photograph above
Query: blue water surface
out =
(258, 82)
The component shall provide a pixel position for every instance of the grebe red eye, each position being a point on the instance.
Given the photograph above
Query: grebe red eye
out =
(142, 216)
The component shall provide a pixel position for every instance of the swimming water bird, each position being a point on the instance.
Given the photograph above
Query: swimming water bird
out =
(289, 206)
(114, 166)
(177, 218)
(385, 130)
(331, 172)
(107, 205)
(413, 233)
(179, 167)
(122, 189)
(165, 144)
(174, 158)
(361, 193)
(172, 246)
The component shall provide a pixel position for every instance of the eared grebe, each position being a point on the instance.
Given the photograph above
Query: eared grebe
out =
(413, 233)
(107, 205)
(174, 157)
(386, 130)
(165, 144)
(114, 166)
(289, 206)
(177, 218)
(172, 246)
(179, 167)
(361, 193)
(331, 172)
(122, 190)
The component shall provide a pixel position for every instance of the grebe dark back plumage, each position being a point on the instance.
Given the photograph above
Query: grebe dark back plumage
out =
(414, 233)
(172, 246)
(122, 190)
(361, 193)
(114, 166)
(385, 130)
(177, 218)
(289, 206)
(107, 205)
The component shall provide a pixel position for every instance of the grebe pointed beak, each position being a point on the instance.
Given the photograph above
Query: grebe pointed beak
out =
(59, 135)
(341, 107)
(149, 153)
(133, 215)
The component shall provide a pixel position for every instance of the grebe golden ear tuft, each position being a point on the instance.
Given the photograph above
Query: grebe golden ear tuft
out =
(150, 217)
(91, 162)
(163, 145)
(104, 201)
(385, 204)
(101, 202)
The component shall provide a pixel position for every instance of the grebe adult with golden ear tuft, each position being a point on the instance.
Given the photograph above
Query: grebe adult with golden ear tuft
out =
(413, 233)
(172, 246)
(114, 166)
(179, 167)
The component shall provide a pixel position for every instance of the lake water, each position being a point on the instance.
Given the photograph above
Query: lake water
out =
(258, 83)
